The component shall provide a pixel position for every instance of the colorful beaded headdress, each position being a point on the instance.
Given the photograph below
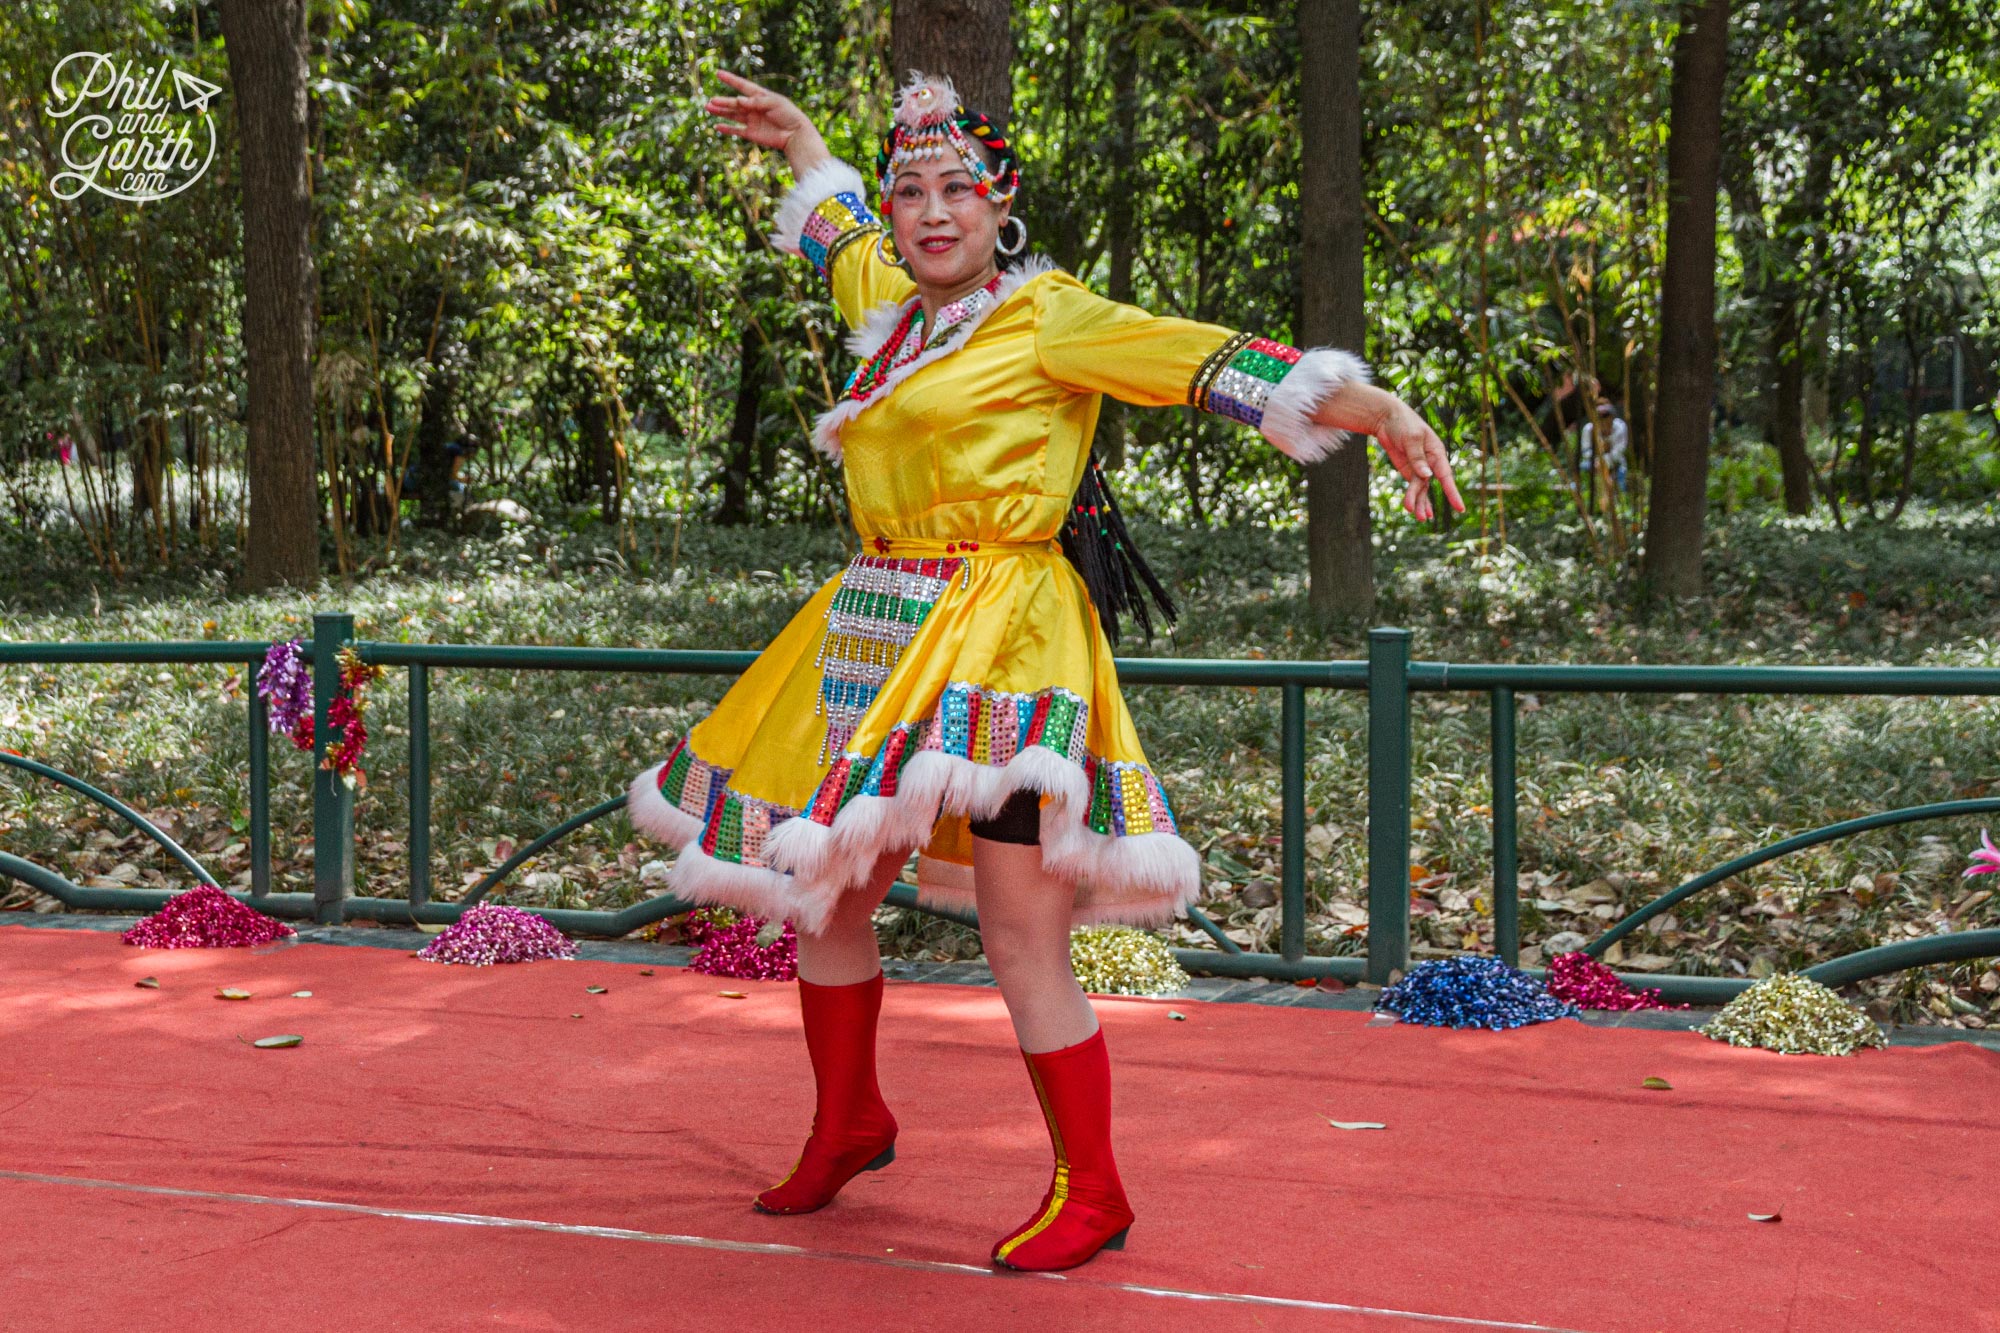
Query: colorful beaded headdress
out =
(930, 120)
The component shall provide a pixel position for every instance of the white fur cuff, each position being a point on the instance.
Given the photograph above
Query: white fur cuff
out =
(1288, 413)
(814, 188)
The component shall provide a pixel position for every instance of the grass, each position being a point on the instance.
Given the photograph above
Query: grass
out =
(1620, 797)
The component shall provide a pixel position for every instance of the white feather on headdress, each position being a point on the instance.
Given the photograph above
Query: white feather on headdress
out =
(927, 99)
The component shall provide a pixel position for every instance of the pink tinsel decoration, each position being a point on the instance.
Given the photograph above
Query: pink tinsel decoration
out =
(732, 950)
(205, 918)
(1589, 984)
(495, 933)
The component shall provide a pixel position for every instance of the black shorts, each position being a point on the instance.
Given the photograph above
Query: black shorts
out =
(1019, 821)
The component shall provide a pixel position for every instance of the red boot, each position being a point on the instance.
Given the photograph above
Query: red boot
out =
(1084, 1210)
(852, 1129)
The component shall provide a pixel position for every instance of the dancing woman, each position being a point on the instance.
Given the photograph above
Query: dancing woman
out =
(952, 690)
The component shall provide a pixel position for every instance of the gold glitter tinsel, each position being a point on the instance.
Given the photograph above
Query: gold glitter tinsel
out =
(1793, 1015)
(1117, 960)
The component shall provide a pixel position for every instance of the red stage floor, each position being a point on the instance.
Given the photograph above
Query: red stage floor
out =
(450, 1148)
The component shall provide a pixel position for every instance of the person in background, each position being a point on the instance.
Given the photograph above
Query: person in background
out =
(1608, 426)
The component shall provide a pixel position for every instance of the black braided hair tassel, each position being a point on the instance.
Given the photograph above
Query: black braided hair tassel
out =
(1097, 543)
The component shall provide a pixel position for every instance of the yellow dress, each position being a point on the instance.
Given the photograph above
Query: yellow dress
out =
(958, 658)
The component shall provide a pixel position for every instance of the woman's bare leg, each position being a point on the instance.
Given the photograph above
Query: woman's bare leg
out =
(1024, 921)
(845, 951)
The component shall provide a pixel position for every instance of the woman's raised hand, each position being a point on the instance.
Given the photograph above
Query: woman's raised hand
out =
(768, 119)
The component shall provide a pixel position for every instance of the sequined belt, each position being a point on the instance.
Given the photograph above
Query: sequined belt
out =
(932, 548)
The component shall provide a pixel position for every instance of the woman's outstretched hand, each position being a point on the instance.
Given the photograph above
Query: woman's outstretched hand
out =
(770, 120)
(1412, 447)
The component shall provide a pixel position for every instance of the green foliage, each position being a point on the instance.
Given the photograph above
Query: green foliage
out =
(528, 239)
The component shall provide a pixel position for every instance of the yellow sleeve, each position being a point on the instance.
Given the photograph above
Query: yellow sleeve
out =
(1094, 345)
(826, 218)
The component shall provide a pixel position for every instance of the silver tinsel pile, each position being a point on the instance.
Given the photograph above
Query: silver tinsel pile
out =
(1794, 1015)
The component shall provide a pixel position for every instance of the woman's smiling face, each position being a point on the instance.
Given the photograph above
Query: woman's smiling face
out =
(944, 227)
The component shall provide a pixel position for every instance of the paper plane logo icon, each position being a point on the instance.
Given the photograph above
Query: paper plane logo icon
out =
(193, 93)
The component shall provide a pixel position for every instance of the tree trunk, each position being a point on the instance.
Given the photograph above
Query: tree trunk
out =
(1788, 421)
(738, 471)
(1113, 427)
(1687, 300)
(265, 41)
(433, 463)
(593, 416)
(1332, 277)
(1773, 292)
(970, 41)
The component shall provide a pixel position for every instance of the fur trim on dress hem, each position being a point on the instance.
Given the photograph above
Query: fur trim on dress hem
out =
(654, 814)
(753, 890)
(811, 190)
(1288, 413)
(1135, 879)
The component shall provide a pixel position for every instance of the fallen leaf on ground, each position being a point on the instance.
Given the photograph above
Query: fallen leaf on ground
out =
(274, 1043)
(148, 983)
(732, 995)
(1177, 1015)
(645, 971)
(231, 993)
(1357, 1124)
(1656, 1083)
(1766, 1217)
(302, 995)
(576, 1015)
(594, 990)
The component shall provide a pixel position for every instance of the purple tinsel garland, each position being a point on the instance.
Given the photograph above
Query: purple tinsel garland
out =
(495, 933)
(286, 684)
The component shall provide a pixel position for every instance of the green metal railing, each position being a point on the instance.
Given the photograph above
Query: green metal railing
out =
(1389, 677)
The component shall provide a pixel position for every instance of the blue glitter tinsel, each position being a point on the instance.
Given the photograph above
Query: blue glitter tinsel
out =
(1472, 992)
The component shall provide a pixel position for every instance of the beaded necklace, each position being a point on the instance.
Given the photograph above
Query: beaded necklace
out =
(907, 341)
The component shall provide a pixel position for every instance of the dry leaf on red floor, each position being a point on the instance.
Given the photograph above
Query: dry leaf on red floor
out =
(733, 994)
(147, 983)
(277, 1043)
(1357, 1124)
(1656, 1083)
(1765, 1217)
(232, 993)
(594, 990)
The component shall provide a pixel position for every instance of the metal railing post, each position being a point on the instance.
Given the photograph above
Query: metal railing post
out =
(333, 800)
(1292, 881)
(1388, 803)
(260, 789)
(420, 784)
(1506, 834)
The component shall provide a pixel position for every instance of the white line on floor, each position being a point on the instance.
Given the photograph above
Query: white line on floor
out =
(758, 1247)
